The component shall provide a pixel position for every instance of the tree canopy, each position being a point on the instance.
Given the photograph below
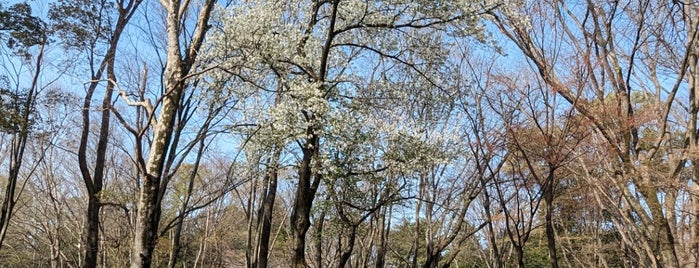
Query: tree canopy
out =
(349, 133)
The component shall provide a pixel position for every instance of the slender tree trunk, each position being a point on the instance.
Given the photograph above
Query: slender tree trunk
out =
(8, 202)
(385, 229)
(19, 142)
(176, 245)
(175, 249)
(93, 182)
(92, 236)
(550, 235)
(519, 250)
(202, 248)
(320, 222)
(55, 260)
(93, 201)
(415, 248)
(346, 254)
(667, 256)
(267, 209)
(491, 232)
(249, 254)
(305, 193)
(694, 146)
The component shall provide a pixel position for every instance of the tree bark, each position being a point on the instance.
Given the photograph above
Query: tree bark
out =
(385, 220)
(346, 254)
(177, 67)
(305, 193)
(265, 215)
(320, 223)
(550, 235)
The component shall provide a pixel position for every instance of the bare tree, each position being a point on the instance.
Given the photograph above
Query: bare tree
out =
(181, 59)
(102, 73)
(605, 67)
(17, 114)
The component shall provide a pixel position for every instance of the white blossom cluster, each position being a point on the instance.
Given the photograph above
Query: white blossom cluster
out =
(380, 105)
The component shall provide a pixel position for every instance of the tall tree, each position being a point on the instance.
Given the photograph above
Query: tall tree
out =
(546, 141)
(18, 104)
(316, 48)
(606, 66)
(181, 57)
(86, 29)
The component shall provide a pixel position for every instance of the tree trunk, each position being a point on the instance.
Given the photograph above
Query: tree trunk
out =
(92, 236)
(550, 235)
(491, 232)
(267, 209)
(249, 212)
(432, 260)
(176, 245)
(95, 186)
(320, 222)
(8, 202)
(694, 146)
(147, 221)
(663, 235)
(383, 237)
(93, 182)
(520, 256)
(305, 193)
(415, 248)
(202, 247)
(345, 256)
(177, 67)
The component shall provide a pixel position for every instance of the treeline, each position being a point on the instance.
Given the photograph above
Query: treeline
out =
(349, 133)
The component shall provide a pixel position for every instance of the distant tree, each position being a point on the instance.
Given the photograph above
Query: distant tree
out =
(18, 101)
(86, 26)
(20, 29)
(585, 55)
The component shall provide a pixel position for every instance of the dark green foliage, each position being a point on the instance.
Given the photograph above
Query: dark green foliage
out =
(12, 109)
(19, 29)
(401, 243)
(536, 252)
(82, 23)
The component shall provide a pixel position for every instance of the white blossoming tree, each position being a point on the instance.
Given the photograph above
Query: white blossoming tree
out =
(353, 90)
